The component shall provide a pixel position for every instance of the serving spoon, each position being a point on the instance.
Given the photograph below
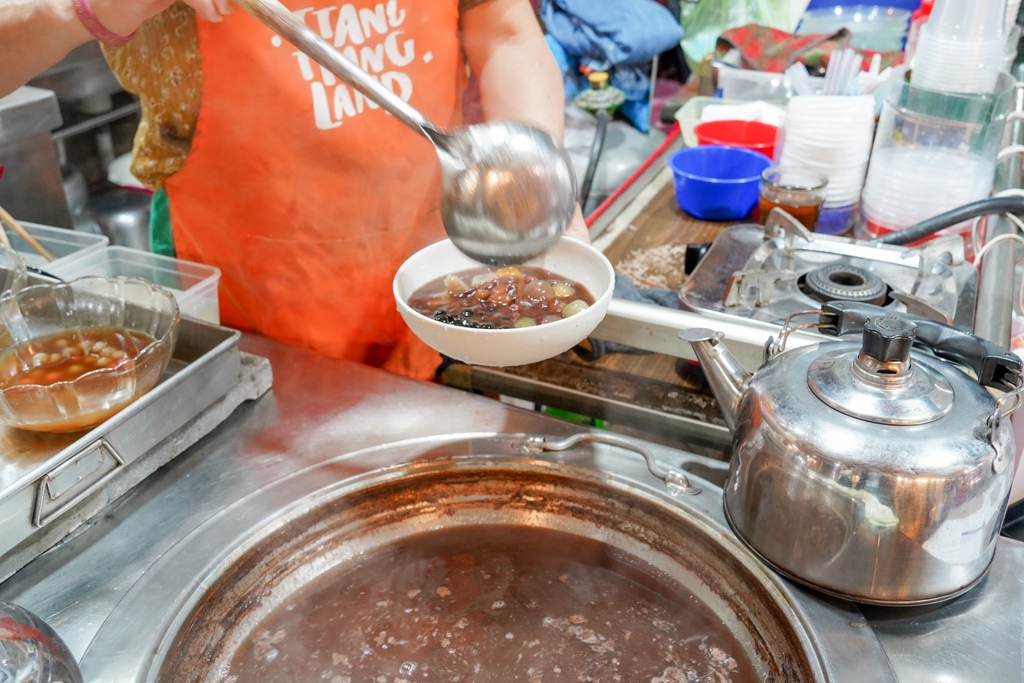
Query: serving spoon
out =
(508, 190)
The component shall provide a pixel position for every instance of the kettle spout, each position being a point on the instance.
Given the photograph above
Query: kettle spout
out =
(726, 377)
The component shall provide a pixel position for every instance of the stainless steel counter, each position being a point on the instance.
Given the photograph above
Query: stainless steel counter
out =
(32, 188)
(112, 590)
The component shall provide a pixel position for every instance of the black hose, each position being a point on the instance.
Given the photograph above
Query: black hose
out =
(595, 155)
(983, 207)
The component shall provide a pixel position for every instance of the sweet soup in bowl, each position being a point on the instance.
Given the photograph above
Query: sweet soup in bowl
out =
(501, 298)
(485, 315)
(73, 354)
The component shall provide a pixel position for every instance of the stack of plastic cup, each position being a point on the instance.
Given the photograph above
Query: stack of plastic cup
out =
(960, 48)
(933, 151)
(830, 134)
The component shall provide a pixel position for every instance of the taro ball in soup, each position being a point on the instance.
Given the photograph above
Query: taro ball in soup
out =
(501, 298)
(66, 356)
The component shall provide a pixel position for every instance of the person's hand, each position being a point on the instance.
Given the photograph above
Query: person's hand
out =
(577, 228)
(211, 10)
(124, 17)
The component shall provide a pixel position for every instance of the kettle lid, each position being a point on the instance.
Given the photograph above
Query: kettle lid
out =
(881, 382)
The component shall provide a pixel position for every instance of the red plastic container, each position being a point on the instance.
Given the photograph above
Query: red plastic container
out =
(873, 228)
(753, 135)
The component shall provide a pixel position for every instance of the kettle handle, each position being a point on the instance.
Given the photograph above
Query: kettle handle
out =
(994, 365)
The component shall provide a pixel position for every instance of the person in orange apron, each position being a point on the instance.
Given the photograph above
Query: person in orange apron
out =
(305, 195)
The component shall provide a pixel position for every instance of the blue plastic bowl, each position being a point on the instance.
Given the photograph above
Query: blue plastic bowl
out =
(717, 183)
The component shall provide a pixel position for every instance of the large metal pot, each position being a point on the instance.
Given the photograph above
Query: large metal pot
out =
(867, 470)
(442, 544)
(497, 569)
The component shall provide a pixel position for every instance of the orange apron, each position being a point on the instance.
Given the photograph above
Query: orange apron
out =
(304, 194)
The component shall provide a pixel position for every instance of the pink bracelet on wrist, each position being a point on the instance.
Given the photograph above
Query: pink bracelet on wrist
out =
(92, 24)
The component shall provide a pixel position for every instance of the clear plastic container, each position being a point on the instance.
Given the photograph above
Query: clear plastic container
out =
(748, 85)
(194, 285)
(64, 244)
(933, 152)
(873, 27)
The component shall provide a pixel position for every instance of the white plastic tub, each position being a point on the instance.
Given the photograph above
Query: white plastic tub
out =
(64, 244)
(194, 285)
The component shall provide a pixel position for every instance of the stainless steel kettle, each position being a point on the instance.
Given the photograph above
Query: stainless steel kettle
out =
(868, 470)
(31, 651)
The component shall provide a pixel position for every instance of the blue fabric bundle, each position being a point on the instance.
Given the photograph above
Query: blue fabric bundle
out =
(617, 36)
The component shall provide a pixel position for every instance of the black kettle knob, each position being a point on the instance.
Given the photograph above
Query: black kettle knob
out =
(888, 339)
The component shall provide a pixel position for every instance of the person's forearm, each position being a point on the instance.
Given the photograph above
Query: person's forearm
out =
(518, 76)
(519, 79)
(34, 35)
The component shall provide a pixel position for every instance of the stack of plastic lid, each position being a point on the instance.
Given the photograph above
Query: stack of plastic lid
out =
(873, 27)
(909, 184)
(831, 134)
(960, 48)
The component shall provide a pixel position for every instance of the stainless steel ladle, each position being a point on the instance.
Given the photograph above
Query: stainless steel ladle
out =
(508, 189)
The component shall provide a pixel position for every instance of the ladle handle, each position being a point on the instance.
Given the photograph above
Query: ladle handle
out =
(279, 18)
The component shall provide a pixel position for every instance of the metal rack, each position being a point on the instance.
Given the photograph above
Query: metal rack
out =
(994, 314)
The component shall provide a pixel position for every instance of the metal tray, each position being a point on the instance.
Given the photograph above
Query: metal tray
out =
(50, 484)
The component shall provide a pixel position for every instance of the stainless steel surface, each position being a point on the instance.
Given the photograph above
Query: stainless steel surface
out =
(759, 274)
(97, 121)
(118, 591)
(81, 75)
(879, 383)
(122, 215)
(32, 187)
(31, 652)
(76, 188)
(50, 484)
(119, 587)
(26, 112)
(917, 642)
(729, 382)
(993, 317)
(853, 503)
(658, 424)
(656, 328)
(508, 189)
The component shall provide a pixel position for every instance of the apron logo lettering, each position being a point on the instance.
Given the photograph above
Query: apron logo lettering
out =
(348, 30)
(357, 25)
(371, 59)
(396, 17)
(329, 111)
(374, 21)
(323, 22)
(369, 37)
(399, 57)
(399, 83)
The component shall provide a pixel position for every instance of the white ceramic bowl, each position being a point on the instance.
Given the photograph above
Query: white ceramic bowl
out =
(569, 258)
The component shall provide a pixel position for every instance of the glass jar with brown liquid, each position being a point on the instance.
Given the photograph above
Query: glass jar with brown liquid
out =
(800, 192)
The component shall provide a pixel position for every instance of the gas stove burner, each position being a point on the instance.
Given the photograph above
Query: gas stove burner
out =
(844, 282)
(767, 273)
